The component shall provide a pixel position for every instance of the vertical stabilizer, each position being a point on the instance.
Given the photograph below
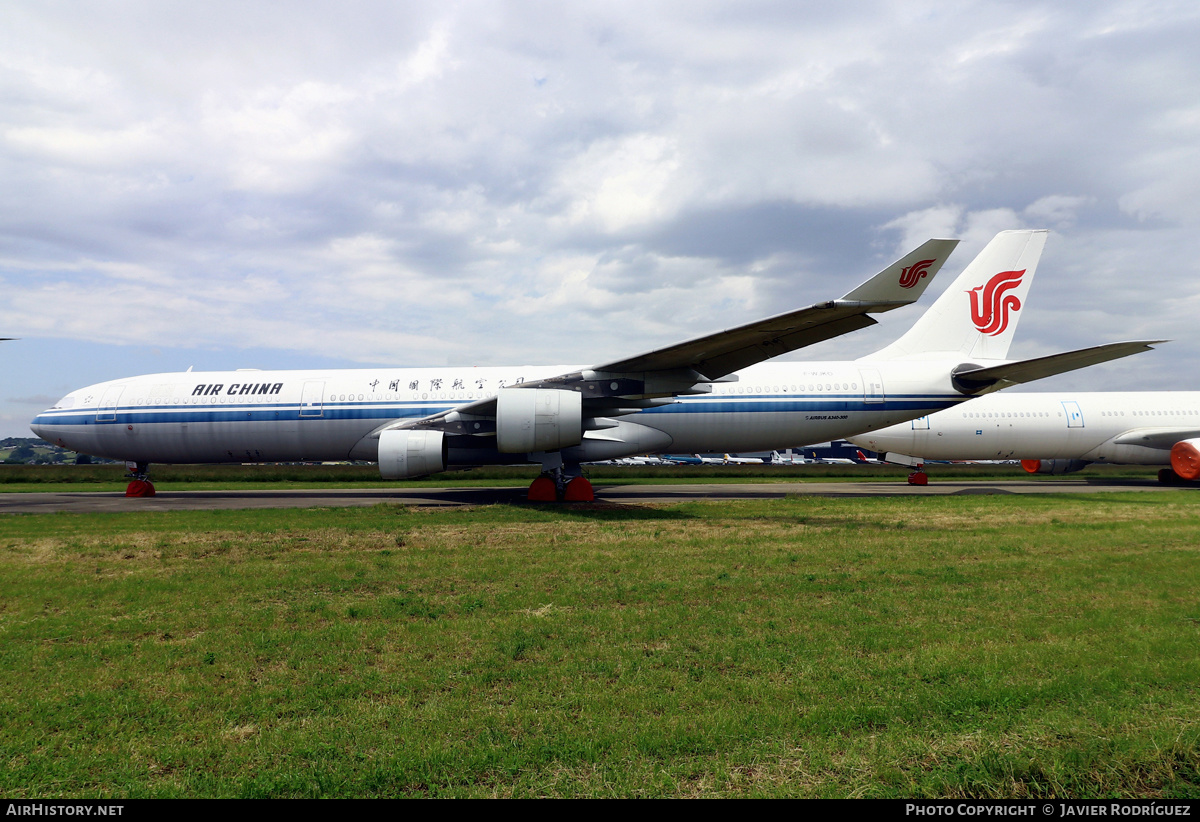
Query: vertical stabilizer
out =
(978, 314)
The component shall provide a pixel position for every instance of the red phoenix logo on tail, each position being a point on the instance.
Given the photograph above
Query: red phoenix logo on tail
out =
(991, 317)
(912, 275)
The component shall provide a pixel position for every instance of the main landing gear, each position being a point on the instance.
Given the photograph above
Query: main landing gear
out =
(1167, 476)
(564, 483)
(918, 476)
(139, 485)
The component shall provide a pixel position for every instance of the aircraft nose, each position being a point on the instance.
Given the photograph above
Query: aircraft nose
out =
(49, 432)
(884, 440)
(39, 428)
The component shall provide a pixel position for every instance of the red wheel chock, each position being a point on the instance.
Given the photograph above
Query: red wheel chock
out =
(543, 489)
(579, 490)
(140, 488)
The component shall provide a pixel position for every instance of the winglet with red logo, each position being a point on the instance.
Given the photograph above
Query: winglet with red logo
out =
(905, 280)
(978, 314)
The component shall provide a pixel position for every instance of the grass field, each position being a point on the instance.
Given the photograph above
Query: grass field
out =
(981, 646)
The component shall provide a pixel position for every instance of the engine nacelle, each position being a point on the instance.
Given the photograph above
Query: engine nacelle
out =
(618, 441)
(1185, 459)
(537, 419)
(1053, 466)
(407, 454)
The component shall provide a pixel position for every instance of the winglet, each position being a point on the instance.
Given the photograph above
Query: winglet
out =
(905, 280)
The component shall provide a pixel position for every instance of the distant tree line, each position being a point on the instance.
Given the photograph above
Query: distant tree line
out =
(32, 451)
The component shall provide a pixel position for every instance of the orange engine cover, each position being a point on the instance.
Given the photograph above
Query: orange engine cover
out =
(1185, 459)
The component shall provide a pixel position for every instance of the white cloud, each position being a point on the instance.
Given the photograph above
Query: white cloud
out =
(408, 182)
(940, 221)
(621, 183)
(1055, 211)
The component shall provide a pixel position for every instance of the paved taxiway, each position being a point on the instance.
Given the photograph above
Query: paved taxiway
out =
(170, 500)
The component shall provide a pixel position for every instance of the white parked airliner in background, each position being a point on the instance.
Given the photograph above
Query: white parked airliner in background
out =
(711, 394)
(1056, 433)
(728, 459)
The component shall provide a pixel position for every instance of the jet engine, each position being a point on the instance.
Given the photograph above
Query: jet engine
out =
(1053, 466)
(537, 419)
(1185, 459)
(405, 454)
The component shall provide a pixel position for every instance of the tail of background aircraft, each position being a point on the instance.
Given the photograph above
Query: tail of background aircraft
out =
(977, 315)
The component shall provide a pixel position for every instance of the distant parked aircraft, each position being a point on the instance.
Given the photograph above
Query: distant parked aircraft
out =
(1057, 433)
(681, 459)
(730, 460)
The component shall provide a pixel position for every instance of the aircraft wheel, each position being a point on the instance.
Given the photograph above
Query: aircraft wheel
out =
(140, 488)
(543, 489)
(579, 490)
(918, 478)
(1168, 477)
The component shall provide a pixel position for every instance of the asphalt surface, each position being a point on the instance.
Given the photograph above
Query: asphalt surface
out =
(615, 493)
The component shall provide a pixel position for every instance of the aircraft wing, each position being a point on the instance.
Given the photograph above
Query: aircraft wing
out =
(478, 417)
(633, 384)
(716, 355)
(984, 380)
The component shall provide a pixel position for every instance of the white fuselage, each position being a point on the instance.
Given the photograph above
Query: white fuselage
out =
(286, 416)
(1133, 428)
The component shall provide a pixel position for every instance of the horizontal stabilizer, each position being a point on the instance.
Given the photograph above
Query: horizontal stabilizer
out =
(982, 380)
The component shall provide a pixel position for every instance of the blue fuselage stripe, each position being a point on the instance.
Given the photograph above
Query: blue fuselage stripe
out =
(265, 412)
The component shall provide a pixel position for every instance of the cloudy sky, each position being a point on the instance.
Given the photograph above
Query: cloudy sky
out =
(290, 185)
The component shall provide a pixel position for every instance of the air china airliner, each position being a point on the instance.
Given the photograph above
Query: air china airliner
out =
(711, 394)
(1057, 433)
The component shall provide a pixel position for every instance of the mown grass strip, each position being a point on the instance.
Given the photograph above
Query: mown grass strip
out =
(109, 478)
(970, 646)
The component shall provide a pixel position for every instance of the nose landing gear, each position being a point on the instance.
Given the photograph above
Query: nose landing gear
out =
(139, 484)
(918, 476)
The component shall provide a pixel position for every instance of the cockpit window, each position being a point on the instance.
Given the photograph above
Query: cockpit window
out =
(66, 402)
